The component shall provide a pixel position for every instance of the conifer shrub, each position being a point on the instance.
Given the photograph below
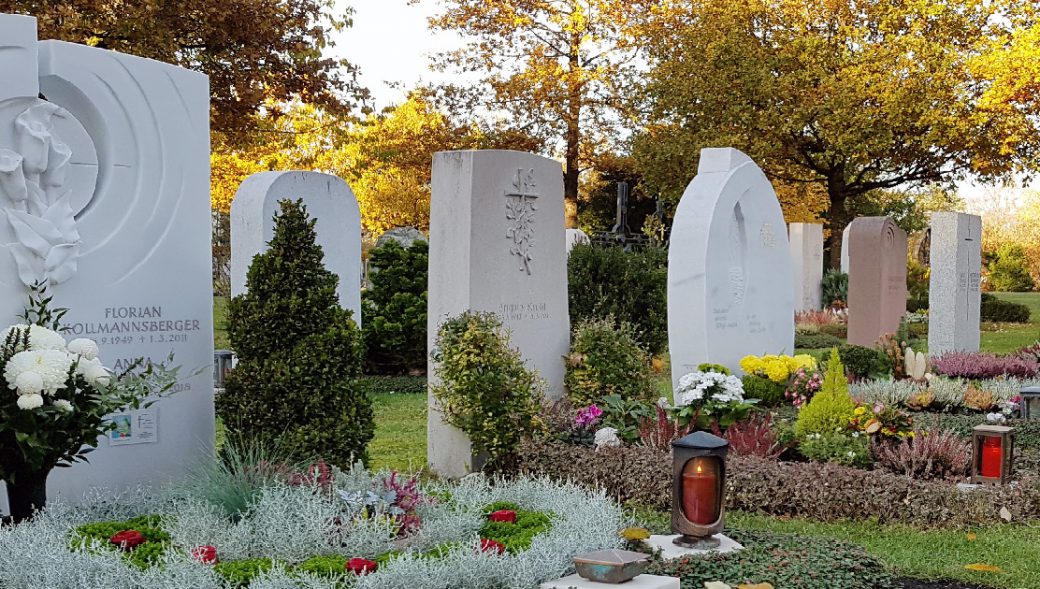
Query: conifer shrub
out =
(482, 385)
(393, 308)
(631, 287)
(606, 359)
(299, 353)
(830, 409)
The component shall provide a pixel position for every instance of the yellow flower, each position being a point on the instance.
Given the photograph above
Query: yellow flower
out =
(635, 534)
(777, 371)
(804, 361)
(860, 410)
(750, 364)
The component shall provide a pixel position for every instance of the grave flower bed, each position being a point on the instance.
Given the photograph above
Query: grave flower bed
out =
(348, 529)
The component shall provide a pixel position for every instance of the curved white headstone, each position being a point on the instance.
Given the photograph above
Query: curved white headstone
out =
(576, 237)
(730, 289)
(328, 200)
(110, 172)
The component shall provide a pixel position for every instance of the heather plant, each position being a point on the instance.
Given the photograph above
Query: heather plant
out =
(660, 430)
(926, 455)
(831, 409)
(978, 366)
(299, 353)
(606, 359)
(947, 392)
(755, 436)
(1030, 352)
(978, 399)
(887, 391)
(483, 386)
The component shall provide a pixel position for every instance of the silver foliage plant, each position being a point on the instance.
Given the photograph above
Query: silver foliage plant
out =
(947, 392)
(293, 523)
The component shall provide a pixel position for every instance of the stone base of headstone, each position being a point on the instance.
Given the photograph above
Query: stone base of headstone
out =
(640, 582)
(670, 551)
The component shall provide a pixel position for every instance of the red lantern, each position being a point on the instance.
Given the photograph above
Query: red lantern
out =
(993, 453)
(699, 478)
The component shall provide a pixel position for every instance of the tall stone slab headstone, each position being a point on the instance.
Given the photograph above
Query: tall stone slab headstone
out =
(329, 201)
(845, 248)
(806, 240)
(497, 244)
(877, 279)
(104, 195)
(730, 290)
(954, 296)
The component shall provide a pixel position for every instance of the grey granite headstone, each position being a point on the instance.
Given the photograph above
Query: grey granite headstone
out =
(954, 296)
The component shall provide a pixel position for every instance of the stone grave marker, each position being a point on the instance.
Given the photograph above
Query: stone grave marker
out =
(730, 289)
(497, 244)
(576, 237)
(954, 297)
(877, 279)
(845, 248)
(104, 196)
(337, 224)
(806, 240)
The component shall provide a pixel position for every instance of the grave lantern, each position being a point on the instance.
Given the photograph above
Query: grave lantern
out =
(992, 453)
(698, 489)
(1030, 405)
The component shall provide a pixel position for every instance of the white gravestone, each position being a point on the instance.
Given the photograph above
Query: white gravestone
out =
(576, 237)
(730, 290)
(497, 244)
(104, 195)
(337, 224)
(806, 240)
(845, 249)
(954, 297)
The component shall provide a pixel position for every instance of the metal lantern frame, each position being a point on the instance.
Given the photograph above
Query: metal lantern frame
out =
(1030, 406)
(1007, 452)
(697, 445)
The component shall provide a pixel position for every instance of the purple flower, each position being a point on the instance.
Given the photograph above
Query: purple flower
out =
(588, 416)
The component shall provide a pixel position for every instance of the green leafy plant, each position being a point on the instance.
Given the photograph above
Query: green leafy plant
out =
(863, 362)
(393, 308)
(768, 392)
(483, 386)
(845, 448)
(625, 415)
(834, 287)
(630, 287)
(239, 573)
(1009, 270)
(299, 353)
(142, 556)
(606, 359)
(831, 409)
(517, 536)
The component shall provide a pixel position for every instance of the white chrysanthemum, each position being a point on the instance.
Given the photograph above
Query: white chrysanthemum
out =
(29, 402)
(28, 383)
(86, 348)
(93, 371)
(52, 366)
(40, 338)
(63, 405)
(607, 437)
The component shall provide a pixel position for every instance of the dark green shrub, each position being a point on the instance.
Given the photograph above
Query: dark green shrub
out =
(393, 308)
(483, 387)
(782, 560)
(606, 360)
(861, 361)
(834, 287)
(299, 353)
(769, 393)
(628, 286)
(837, 447)
(1001, 311)
(815, 341)
(1009, 270)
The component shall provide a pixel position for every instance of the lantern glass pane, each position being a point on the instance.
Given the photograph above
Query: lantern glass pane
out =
(1031, 407)
(702, 490)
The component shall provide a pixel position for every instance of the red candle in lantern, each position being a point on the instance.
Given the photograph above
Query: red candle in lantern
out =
(700, 491)
(992, 457)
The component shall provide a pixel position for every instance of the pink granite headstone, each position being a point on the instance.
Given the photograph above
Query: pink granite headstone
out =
(877, 279)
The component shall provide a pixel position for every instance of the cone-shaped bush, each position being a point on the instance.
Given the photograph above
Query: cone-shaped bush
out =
(830, 409)
(299, 353)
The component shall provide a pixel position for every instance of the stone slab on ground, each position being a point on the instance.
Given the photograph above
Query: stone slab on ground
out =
(670, 551)
(640, 582)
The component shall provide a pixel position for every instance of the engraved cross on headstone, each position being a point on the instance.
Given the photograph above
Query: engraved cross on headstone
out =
(520, 208)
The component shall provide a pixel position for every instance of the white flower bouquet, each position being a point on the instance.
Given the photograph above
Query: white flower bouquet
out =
(54, 399)
(708, 398)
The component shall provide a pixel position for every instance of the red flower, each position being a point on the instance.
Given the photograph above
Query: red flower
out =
(361, 566)
(128, 540)
(489, 545)
(205, 554)
(503, 515)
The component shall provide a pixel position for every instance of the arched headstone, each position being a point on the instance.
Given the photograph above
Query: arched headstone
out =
(337, 224)
(110, 174)
(730, 289)
(877, 279)
(576, 237)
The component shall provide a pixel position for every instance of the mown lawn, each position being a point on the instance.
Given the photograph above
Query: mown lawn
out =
(400, 441)
(1003, 338)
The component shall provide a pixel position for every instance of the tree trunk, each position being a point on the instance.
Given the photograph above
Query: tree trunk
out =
(573, 140)
(837, 220)
(27, 495)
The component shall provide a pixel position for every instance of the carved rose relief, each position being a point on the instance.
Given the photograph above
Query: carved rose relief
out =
(35, 200)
